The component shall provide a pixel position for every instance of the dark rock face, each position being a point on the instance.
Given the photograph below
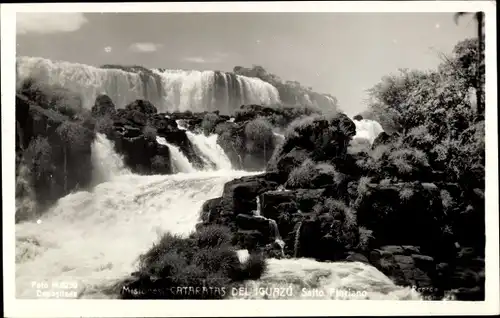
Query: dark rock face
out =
(244, 191)
(134, 131)
(237, 206)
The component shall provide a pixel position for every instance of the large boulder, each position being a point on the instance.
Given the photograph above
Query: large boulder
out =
(103, 106)
(142, 106)
(244, 191)
(239, 197)
(318, 138)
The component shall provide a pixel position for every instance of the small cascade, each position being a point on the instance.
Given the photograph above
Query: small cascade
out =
(180, 124)
(297, 240)
(257, 211)
(280, 136)
(178, 159)
(106, 162)
(276, 232)
(277, 236)
(209, 150)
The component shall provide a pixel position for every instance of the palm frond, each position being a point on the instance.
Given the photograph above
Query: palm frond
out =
(457, 16)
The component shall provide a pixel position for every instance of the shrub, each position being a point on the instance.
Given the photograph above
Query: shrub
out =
(209, 122)
(408, 160)
(298, 125)
(74, 136)
(259, 135)
(38, 157)
(50, 96)
(205, 259)
(344, 223)
(363, 185)
(302, 176)
(446, 199)
(365, 238)
(405, 194)
(212, 236)
(150, 132)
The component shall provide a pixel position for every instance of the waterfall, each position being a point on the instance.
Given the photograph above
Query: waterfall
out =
(257, 210)
(297, 240)
(276, 232)
(179, 161)
(277, 236)
(106, 162)
(367, 129)
(210, 151)
(168, 90)
(89, 81)
(200, 91)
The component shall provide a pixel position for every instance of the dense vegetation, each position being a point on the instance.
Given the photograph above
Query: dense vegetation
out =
(205, 264)
(411, 204)
(53, 140)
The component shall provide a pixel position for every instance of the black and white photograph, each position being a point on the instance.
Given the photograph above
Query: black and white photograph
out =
(205, 154)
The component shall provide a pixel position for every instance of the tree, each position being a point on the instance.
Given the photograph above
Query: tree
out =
(479, 17)
(73, 139)
(38, 157)
(259, 135)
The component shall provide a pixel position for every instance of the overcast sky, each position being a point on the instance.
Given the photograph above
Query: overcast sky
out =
(338, 53)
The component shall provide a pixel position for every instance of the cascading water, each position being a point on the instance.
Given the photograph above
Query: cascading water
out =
(95, 237)
(280, 136)
(200, 91)
(367, 129)
(169, 90)
(297, 240)
(276, 232)
(106, 162)
(212, 154)
(179, 160)
(88, 81)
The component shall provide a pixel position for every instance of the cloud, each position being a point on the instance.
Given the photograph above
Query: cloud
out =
(108, 49)
(145, 47)
(195, 59)
(45, 23)
(216, 58)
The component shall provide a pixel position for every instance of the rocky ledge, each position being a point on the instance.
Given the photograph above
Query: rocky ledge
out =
(319, 199)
